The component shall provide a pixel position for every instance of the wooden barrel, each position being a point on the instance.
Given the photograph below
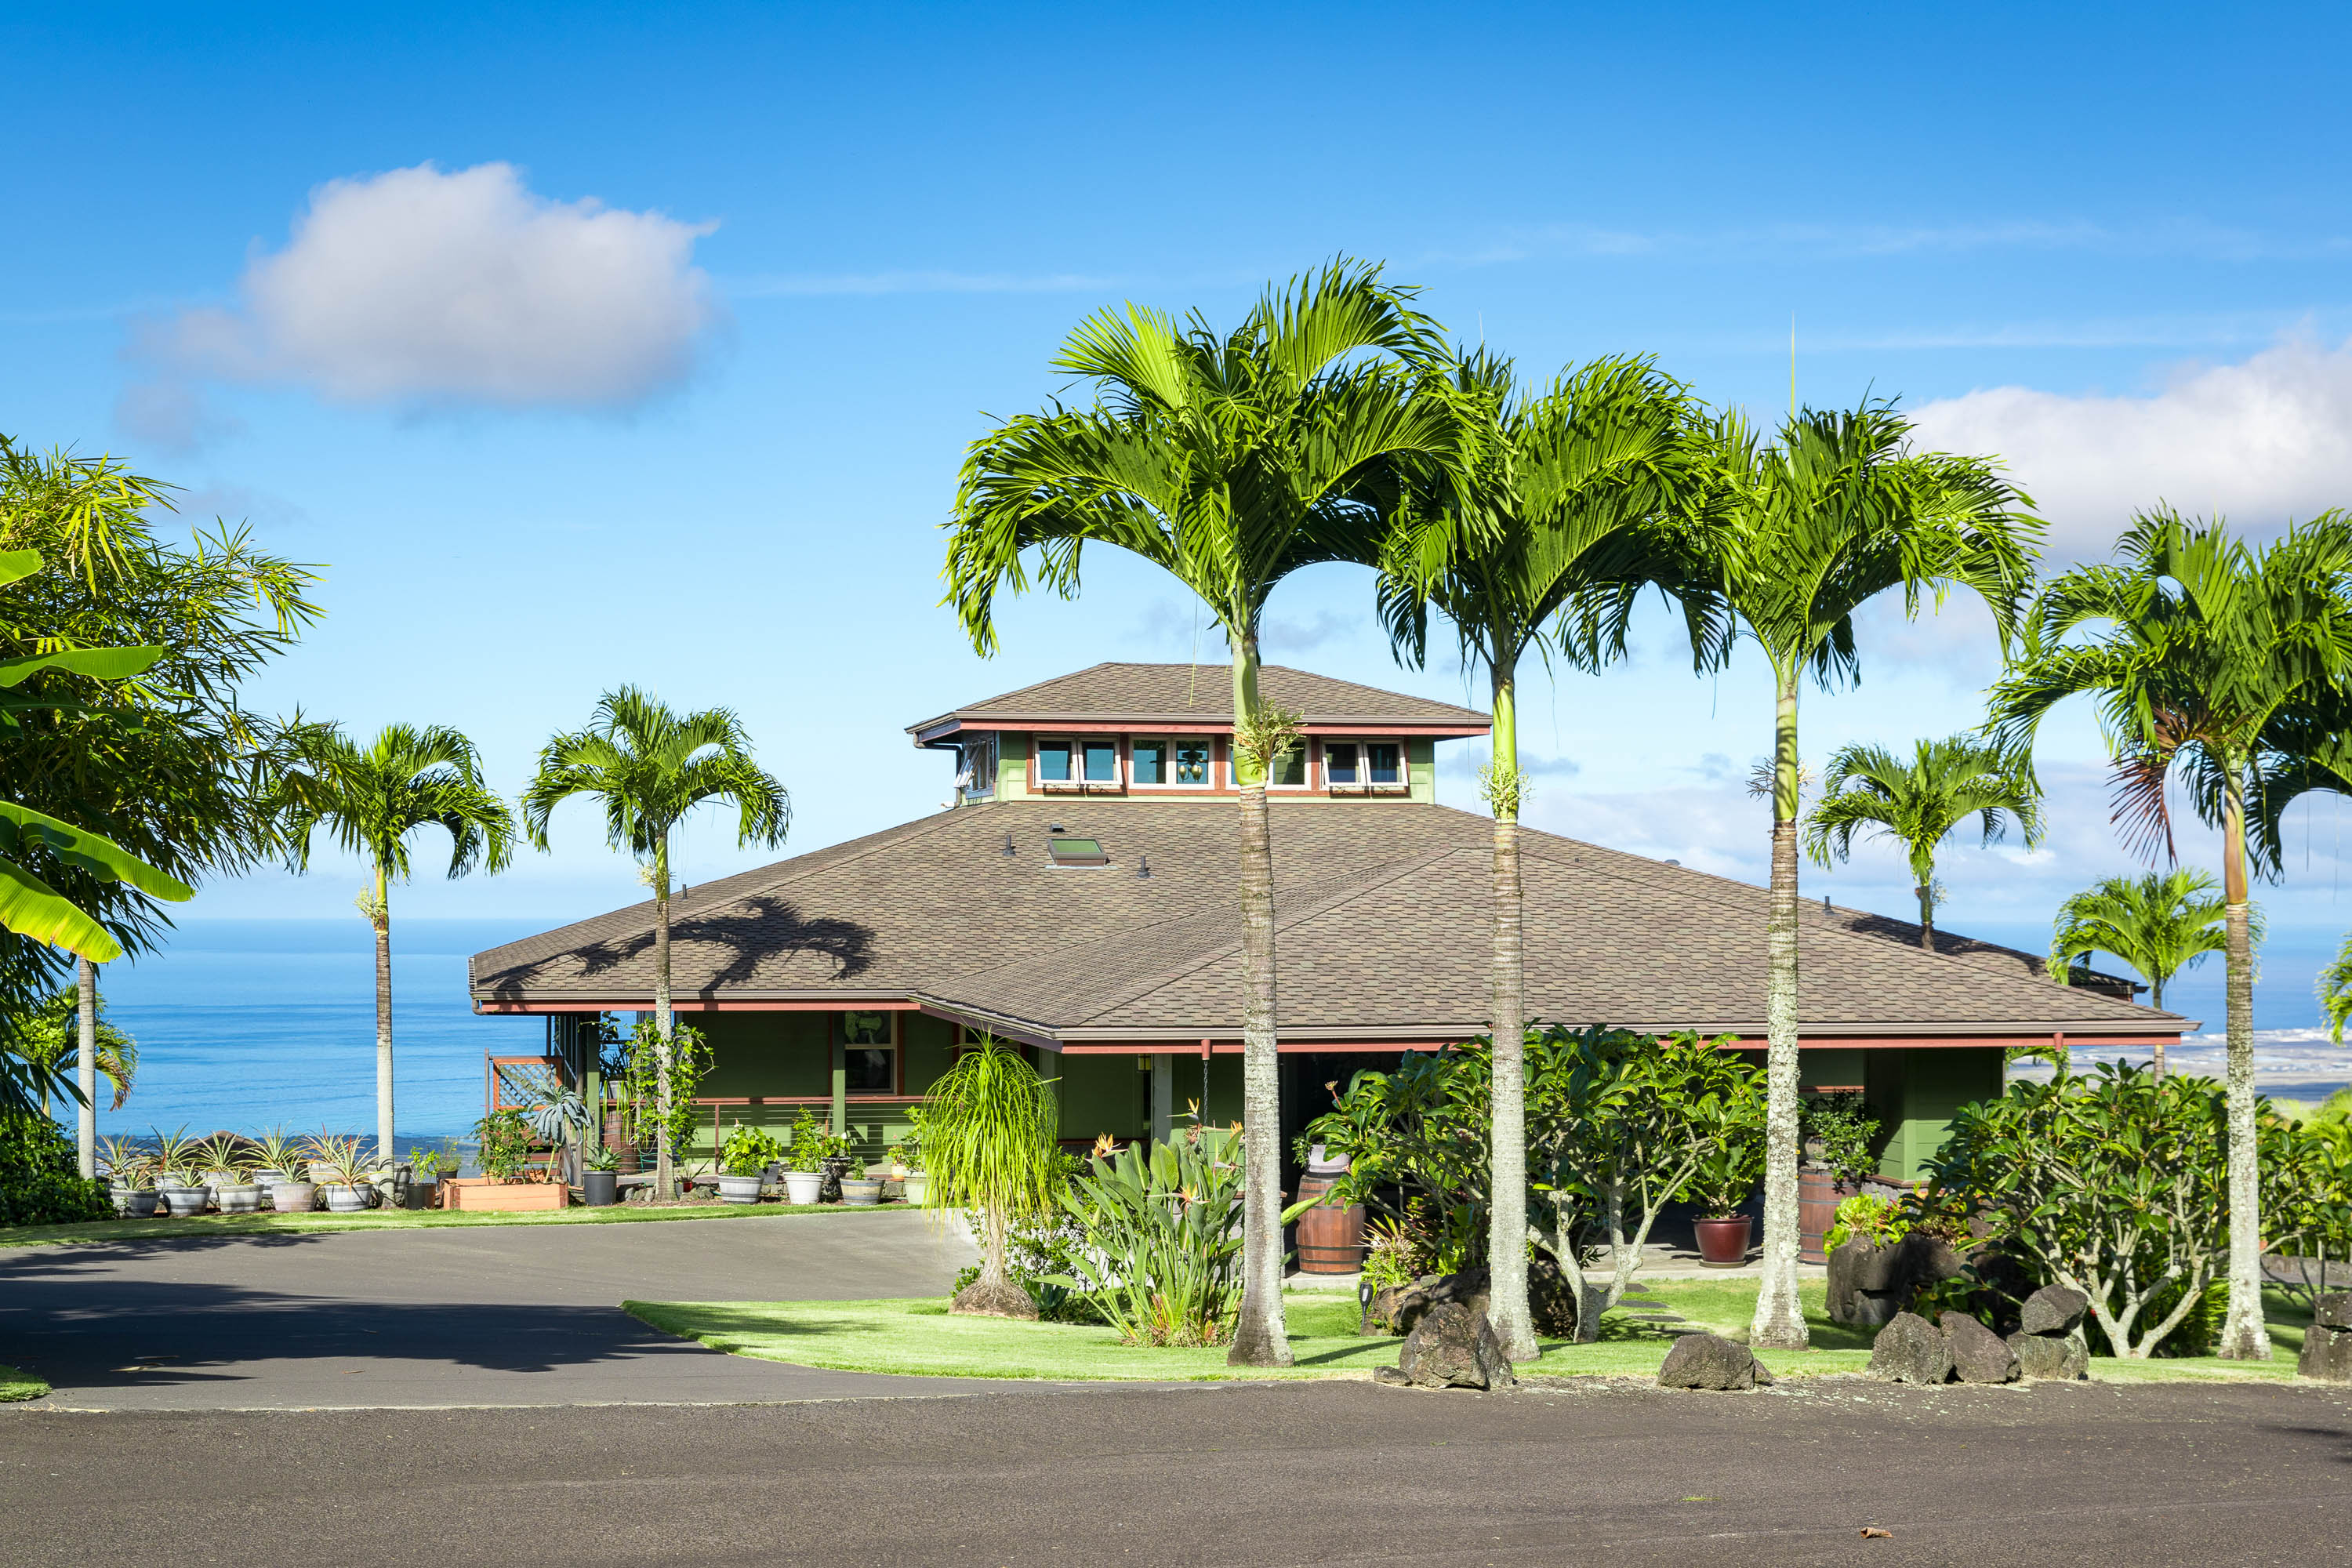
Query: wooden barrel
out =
(616, 1139)
(1817, 1197)
(1330, 1235)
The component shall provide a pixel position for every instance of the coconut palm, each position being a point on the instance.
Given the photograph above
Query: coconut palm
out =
(371, 800)
(1563, 508)
(1919, 802)
(2159, 924)
(2212, 646)
(1230, 461)
(649, 765)
(989, 1127)
(1804, 531)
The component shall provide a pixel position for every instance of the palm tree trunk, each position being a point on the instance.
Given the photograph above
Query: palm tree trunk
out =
(2156, 1000)
(1507, 1240)
(665, 1170)
(2242, 1337)
(86, 1069)
(1926, 891)
(1779, 1322)
(381, 919)
(1260, 1335)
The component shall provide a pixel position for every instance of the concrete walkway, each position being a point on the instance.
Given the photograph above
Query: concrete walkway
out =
(527, 1315)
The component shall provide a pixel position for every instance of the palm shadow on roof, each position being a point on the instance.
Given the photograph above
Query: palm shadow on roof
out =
(753, 930)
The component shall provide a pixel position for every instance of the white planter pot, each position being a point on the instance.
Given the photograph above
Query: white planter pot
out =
(293, 1197)
(739, 1189)
(185, 1201)
(916, 1184)
(342, 1199)
(133, 1203)
(237, 1200)
(803, 1186)
(861, 1195)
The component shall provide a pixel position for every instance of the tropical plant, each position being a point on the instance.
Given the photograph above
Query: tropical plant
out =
(1229, 460)
(2312, 1235)
(2213, 650)
(50, 1037)
(226, 1154)
(1414, 1137)
(1847, 1131)
(813, 1142)
(502, 1139)
(662, 1072)
(602, 1159)
(1162, 1241)
(371, 800)
(424, 1165)
(1920, 802)
(1726, 1172)
(749, 1152)
(558, 1117)
(648, 766)
(1568, 504)
(2113, 1183)
(273, 1150)
(343, 1162)
(40, 1181)
(126, 1165)
(2335, 991)
(1802, 533)
(992, 1124)
(176, 1153)
(1867, 1217)
(2159, 924)
(909, 1149)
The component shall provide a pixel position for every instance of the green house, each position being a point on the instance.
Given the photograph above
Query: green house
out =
(1079, 898)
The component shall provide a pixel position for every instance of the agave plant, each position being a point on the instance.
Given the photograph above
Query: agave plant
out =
(344, 1161)
(275, 1151)
(128, 1165)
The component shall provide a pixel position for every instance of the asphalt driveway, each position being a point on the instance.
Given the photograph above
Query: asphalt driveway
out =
(522, 1315)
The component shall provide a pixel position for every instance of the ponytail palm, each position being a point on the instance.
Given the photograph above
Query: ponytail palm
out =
(1229, 462)
(1806, 531)
(2159, 924)
(1565, 504)
(2213, 653)
(371, 800)
(649, 766)
(1919, 802)
(989, 1135)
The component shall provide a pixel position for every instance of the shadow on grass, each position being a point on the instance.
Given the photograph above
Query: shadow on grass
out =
(725, 1323)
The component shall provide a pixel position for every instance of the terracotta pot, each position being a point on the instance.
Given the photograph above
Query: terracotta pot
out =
(1723, 1243)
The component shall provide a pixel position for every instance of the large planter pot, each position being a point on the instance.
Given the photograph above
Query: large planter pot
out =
(863, 1194)
(1818, 1195)
(803, 1186)
(600, 1188)
(1723, 1243)
(497, 1192)
(342, 1199)
(916, 1184)
(134, 1203)
(244, 1199)
(625, 1159)
(185, 1201)
(739, 1189)
(1330, 1237)
(424, 1192)
(294, 1197)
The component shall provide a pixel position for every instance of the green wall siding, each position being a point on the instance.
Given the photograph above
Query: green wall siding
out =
(1100, 1094)
(1420, 766)
(1915, 1093)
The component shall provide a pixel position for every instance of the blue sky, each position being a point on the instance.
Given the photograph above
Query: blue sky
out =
(330, 271)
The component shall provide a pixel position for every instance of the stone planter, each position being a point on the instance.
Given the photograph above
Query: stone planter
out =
(342, 1199)
(133, 1203)
(241, 1199)
(1723, 1243)
(294, 1197)
(185, 1201)
(863, 1194)
(599, 1189)
(739, 1189)
(803, 1186)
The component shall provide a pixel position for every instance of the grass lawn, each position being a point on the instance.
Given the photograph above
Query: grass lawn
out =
(102, 1230)
(920, 1337)
(16, 1384)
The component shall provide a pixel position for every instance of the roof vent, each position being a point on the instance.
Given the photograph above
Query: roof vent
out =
(1673, 862)
(1076, 852)
(1144, 869)
(1008, 846)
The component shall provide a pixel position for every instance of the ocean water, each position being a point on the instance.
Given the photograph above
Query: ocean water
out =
(247, 1025)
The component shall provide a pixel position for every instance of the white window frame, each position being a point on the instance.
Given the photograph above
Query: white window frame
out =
(976, 751)
(1364, 766)
(1169, 742)
(1077, 783)
(1307, 747)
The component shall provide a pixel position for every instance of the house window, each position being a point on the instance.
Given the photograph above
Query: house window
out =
(1160, 762)
(1102, 761)
(1052, 762)
(977, 780)
(869, 1055)
(1150, 762)
(1364, 764)
(1192, 759)
(1289, 770)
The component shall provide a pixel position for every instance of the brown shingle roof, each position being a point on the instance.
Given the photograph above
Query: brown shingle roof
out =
(1383, 912)
(1203, 693)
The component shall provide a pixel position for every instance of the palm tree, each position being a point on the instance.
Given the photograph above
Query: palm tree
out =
(72, 1026)
(1805, 533)
(1230, 461)
(1919, 802)
(2213, 646)
(650, 765)
(370, 800)
(2159, 924)
(989, 1127)
(1561, 509)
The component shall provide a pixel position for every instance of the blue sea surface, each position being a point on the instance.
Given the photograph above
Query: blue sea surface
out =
(256, 1024)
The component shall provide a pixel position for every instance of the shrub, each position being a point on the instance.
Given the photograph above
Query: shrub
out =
(749, 1152)
(1162, 1241)
(504, 1137)
(814, 1142)
(40, 1177)
(1843, 1124)
(1867, 1217)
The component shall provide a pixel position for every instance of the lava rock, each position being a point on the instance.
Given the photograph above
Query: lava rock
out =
(2333, 1310)
(1454, 1346)
(2051, 1356)
(1401, 1307)
(2052, 1310)
(1711, 1361)
(2327, 1355)
(1979, 1355)
(1868, 1284)
(987, 1298)
(1910, 1349)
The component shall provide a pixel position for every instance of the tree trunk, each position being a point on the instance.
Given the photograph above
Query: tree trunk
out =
(382, 921)
(1507, 1241)
(1926, 891)
(1780, 1322)
(2242, 1337)
(85, 1069)
(1260, 1335)
(665, 1168)
(2156, 1000)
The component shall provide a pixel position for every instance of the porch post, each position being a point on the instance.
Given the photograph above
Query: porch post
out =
(840, 1080)
(1163, 1095)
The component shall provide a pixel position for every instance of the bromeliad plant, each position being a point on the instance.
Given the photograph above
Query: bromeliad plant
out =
(226, 1154)
(1162, 1254)
(343, 1162)
(127, 1164)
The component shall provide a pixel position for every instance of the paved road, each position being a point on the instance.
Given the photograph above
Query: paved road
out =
(1329, 1473)
(489, 1315)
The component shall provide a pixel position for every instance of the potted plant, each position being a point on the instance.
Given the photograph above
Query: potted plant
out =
(804, 1161)
(345, 1165)
(600, 1184)
(130, 1180)
(857, 1189)
(228, 1173)
(174, 1153)
(743, 1161)
(425, 1166)
(1722, 1182)
(278, 1160)
(1840, 1139)
(503, 1139)
(912, 1182)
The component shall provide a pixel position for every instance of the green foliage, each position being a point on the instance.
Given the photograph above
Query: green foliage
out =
(814, 1142)
(1866, 1216)
(40, 1180)
(1918, 802)
(1162, 1241)
(648, 766)
(2335, 988)
(1415, 1138)
(503, 1139)
(370, 799)
(2313, 1223)
(690, 1059)
(1847, 1131)
(1726, 1172)
(2159, 924)
(49, 1036)
(749, 1152)
(991, 1127)
(601, 1159)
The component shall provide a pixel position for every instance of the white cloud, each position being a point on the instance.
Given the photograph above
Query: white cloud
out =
(424, 287)
(918, 282)
(2259, 441)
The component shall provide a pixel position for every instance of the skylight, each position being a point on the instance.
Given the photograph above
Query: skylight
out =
(1076, 852)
